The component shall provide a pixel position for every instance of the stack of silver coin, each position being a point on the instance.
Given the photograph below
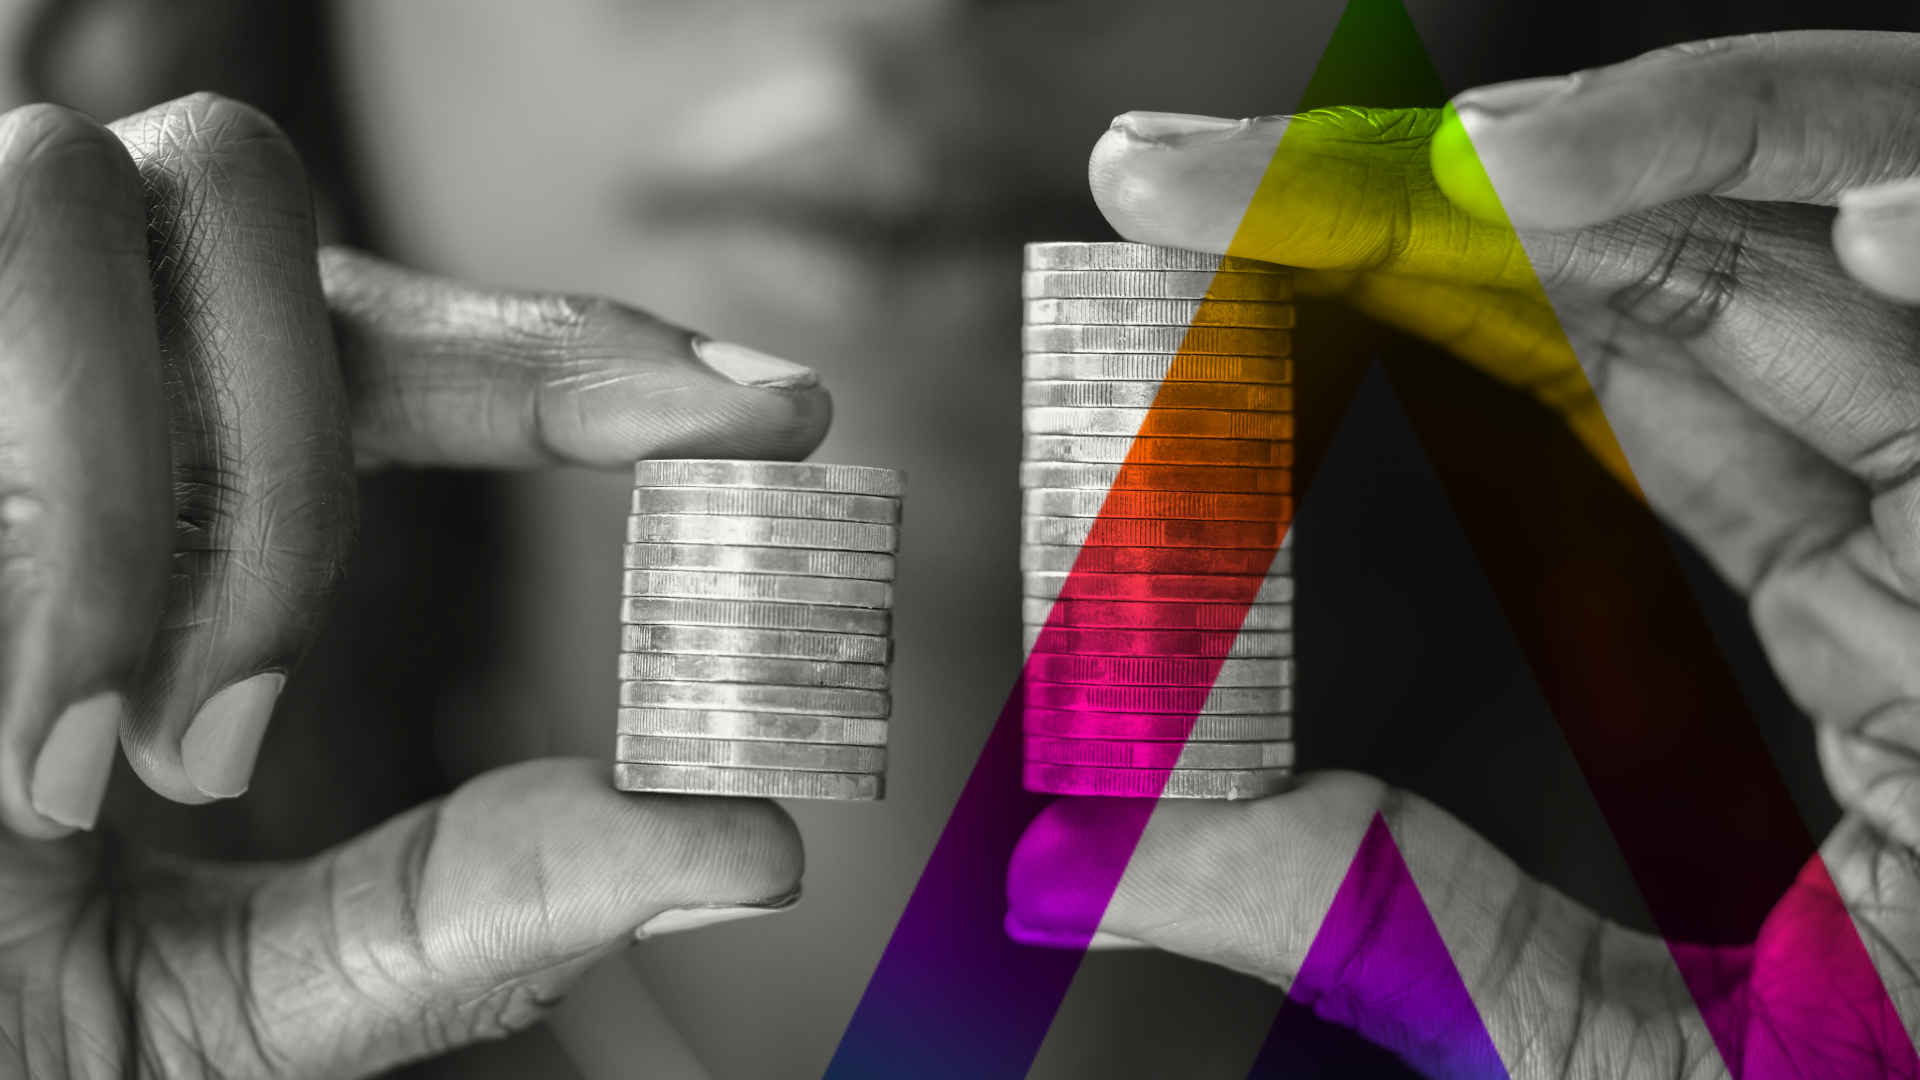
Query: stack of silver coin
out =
(758, 629)
(1158, 399)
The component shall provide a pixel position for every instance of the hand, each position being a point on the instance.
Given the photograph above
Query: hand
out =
(1767, 404)
(188, 385)
(1563, 994)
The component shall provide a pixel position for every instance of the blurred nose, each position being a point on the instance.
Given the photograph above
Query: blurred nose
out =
(816, 127)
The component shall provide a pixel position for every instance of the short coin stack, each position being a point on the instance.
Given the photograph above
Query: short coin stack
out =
(758, 637)
(1182, 575)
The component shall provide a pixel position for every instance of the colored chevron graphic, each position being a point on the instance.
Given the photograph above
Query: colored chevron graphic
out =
(1581, 568)
(1379, 967)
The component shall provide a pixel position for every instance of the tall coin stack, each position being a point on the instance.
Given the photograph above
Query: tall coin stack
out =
(1175, 365)
(758, 629)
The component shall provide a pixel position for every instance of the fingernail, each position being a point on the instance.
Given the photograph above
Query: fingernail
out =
(221, 744)
(1163, 127)
(1883, 202)
(1509, 99)
(693, 918)
(751, 367)
(70, 777)
(1877, 237)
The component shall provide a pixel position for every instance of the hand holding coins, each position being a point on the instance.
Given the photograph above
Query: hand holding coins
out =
(1155, 494)
(758, 621)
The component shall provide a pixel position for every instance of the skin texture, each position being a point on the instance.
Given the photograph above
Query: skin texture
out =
(164, 287)
(87, 519)
(116, 957)
(1688, 316)
(264, 512)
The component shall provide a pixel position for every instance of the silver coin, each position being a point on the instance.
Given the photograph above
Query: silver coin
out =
(1127, 754)
(1176, 729)
(750, 754)
(1155, 783)
(1218, 701)
(1190, 588)
(1119, 255)
(759, 783)
(1158, 423)
(1103, 477)
(744, 697)
(777, 727)
(766, 502)
(1157, 671)
(790, 475)
(737, 641)
(1062, 558)
(1106, 642)
(1115, 449)
(1105, 312)
(751, 615)
(1139, 726)
(1210, 340)
(696, 667)
(784, 588)
(1157, 367)
(1195, 505)
(760, 532)
(1155, 284)
(806, 562)
(1118, 394)
(1151, 533)
(1149, 615)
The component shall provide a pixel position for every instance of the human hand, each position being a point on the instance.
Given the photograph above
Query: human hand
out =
(1562, 993)
(1765, 400)
(189, 384)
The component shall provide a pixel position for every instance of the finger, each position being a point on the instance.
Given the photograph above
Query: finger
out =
(1776, 515)
(1781, 522)
(1845, 639)
(85, 510)
(1751, 494)
(1755, 293)
(441, 373)
(1505, 333)
(452, 923)
(1754, 496)
(1249, 886)
(1334, 189)
(1752, 291)
(262, 457)
(1796, 117)
(1877, 237)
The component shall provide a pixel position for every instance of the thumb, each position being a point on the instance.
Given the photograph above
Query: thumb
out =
(461, 920)
(1332, 189)
(443, 373)
(1877, 237)
(1250, 886)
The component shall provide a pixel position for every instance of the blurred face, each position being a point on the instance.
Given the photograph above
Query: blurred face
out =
(842, 182)
(846, 183)
(778, 163)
